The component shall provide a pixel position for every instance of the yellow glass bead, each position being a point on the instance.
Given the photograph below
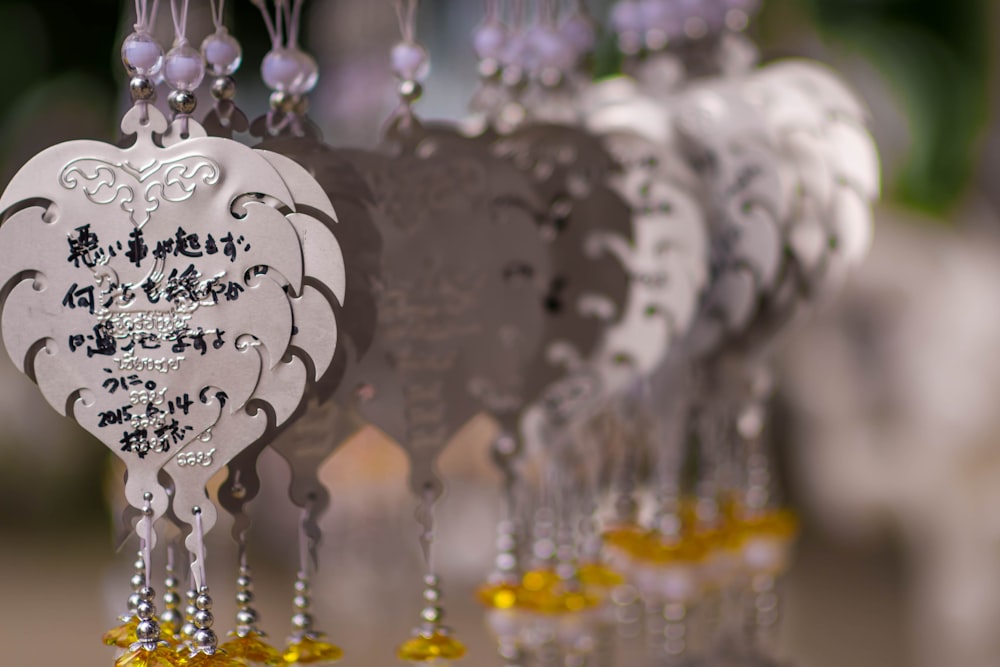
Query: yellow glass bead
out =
(539, 580)
(217, 659)
(437, 646)
(780, 523)
(311, 651)
(599, 575)
(685, 550)
(161, 656)
(252, 648)
(627, 537)
(498, 596)
(122, 636)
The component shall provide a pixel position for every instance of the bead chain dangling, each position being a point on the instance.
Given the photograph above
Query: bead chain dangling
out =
(183, 68)
(223, 55)
(143, 57)
(148, 650)
(288, 71)
(171, 619)
(247, 639)
(432, 641)
(306, 645)
(123, 636)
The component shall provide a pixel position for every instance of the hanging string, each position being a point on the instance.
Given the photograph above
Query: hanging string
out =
(406, 14)
(547, 12)
(492, 11)
(304, 544)
(217, 9)
(179, 13)
(145, 19)
(147, 536)
(198, 564)
(273, 26)
(293, 16)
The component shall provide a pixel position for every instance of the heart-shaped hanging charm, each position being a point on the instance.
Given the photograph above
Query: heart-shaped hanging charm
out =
(137, 279)
(321, 425)
(463, 267)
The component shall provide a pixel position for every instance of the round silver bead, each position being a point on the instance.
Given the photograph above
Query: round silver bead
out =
(282, 101)
(302, 621)
(145, 610)
(170, 582)
(244, 597)
(203, 601)
(410, 91)
(147, 631)
(133, 601)
(246, 617)
(243, 581)
(224, 88)
(204, 639)
(170, 616)
(300, 602)
(139, 565)
(432, 594)
(146, 593)
(302, 586)
(432, 614)
(137, 581)
(431, 580)
(183, 101)
(203, 618)
(188, 630)
(171, 599)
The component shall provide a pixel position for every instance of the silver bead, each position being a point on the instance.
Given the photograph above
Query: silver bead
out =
(410, 91)
(188, 630)
(171, 599)
(133, 601)
(244, 597)
(432, 594)
(224, 88)
(282, 101)
(302, 586)
(431, 580)
(302, 621)
(300, 602)
(243, 581)
(203, 618)
(204, 639)
(145, 610)
(170, 582)
(170, 616)
(139, 565)
(138, 580)
(141, 89)
(146, 593)
(432, 614)
(203, 601)
(147, 631)
(183, 101)
(246, 617)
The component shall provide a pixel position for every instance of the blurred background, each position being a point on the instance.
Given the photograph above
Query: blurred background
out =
(887, 421)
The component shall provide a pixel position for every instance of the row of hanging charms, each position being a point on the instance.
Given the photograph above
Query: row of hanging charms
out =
(786, 186)
(551, 609)
(144, 326)
(781, 228)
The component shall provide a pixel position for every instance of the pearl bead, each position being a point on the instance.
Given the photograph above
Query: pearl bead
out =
(142, 55)
(551, 50)
(579, 31)
(410, 62)
(308, 74)
(280, 69)
(222, 53)
(488, 40)
(627, 16)
(183, 67)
